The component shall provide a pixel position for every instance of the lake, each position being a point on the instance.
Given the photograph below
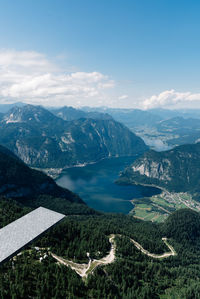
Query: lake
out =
(95, 184)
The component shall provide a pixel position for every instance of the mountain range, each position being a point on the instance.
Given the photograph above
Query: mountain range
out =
(43, 140)
(182, 130)
(161, 129)
(70, 113)
(43, 269)
(132, 118)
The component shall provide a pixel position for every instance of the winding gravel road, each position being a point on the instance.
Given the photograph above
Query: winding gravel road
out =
(172, 252)
(85, 269)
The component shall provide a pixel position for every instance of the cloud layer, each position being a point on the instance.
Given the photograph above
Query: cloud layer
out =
(173, 99)
(30, 77)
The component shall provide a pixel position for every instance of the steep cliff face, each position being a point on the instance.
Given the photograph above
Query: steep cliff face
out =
(43, 140)
(176, 170)
(153, 169)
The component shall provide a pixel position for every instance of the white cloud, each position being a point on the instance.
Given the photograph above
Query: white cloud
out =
(123, 97)
(15, 60)
(173, 99)
(32, 78)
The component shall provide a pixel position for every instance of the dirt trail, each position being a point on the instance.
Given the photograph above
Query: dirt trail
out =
(85, 269)
(80, 269)
(154, 255)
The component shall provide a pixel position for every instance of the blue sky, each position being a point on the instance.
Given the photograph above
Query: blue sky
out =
(131, 53)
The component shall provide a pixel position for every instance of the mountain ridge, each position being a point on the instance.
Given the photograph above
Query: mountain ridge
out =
(176, 170)
(70, 113)
(44, 140)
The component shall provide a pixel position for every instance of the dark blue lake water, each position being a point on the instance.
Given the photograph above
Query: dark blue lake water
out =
(95, 184)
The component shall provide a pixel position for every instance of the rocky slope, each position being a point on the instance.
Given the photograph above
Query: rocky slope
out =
(44, 140)
(176, 170)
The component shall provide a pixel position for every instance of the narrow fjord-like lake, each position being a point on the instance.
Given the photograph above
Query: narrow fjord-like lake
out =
(95, 184)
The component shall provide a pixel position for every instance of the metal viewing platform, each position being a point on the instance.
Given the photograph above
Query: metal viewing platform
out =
(14, 236)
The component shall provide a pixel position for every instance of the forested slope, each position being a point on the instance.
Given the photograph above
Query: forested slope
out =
(34, 188)
(35, 273)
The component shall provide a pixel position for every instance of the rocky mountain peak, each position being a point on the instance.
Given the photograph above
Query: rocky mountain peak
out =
(27, 113)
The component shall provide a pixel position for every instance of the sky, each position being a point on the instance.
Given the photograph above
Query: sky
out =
(118, 53)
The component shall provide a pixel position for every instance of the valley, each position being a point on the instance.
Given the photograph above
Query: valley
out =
(158, 207)
(132, 228)
(99, 149)
(161, 129)
(175, 172)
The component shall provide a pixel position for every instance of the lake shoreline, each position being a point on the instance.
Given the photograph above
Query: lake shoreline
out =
(54, 173)
(95, 184)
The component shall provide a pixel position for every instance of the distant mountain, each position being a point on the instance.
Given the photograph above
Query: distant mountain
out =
(44, 140)
(167, 113)
(178, 123)
(176, 170)
(70, 113)
(130, 117)
(184, 130)
(161, 129)
(6, 107)
(35, 115)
